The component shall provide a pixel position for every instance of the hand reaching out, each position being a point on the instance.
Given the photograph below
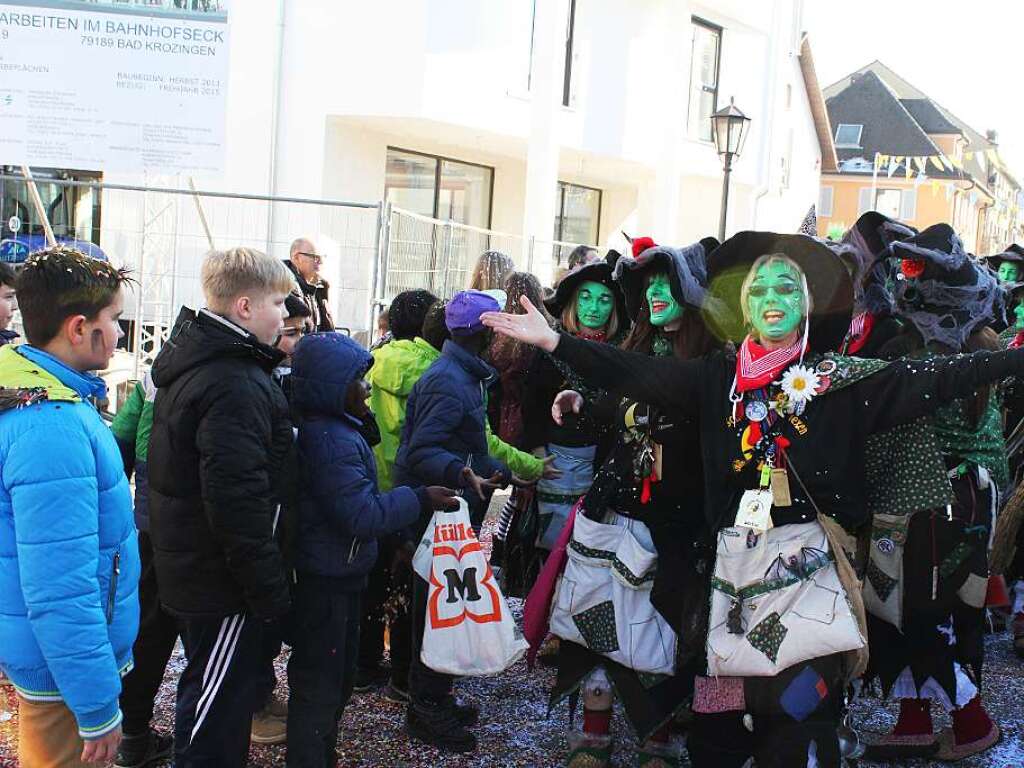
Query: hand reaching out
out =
(483, 487)
(566, 401)
(530, 328)
(442, 498)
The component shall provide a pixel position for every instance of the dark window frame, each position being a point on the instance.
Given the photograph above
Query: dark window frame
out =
(719, 31)
(561, 207)
(569, 41)
(439, 159)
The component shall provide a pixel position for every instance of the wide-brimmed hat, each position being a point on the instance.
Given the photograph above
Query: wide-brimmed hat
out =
(686, 268)
(1013, 253)
(941, 290)
(594, 272)
(828, 281)
(869, 240)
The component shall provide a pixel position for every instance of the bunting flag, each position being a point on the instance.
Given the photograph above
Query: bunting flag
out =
(921, 163)
(937, 163)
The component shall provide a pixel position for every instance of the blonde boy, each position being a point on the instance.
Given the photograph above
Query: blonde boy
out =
(221, 435)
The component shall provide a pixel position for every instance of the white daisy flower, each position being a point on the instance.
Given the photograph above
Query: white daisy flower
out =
(800, 384)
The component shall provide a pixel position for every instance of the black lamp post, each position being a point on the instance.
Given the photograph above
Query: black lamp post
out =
(729, 127)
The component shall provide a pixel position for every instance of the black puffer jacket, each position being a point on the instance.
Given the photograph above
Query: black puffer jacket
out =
(221, 435)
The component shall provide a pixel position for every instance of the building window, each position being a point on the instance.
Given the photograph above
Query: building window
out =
(704, 64)
(439, 187)
(826, 195)
(578, 216)
(887, 202)
(570, 37)
(848, 136)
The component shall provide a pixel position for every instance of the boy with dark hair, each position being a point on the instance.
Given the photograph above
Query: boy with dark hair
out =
(341, 514)
(444, 442)
(221, 434)
(69, 562)
(7, 303)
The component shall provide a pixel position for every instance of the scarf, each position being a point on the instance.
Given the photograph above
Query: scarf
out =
(1018, 340)
(860, 332)
(756, 367)
(588, 335)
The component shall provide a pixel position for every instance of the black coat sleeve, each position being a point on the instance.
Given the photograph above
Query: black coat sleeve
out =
(234, 439)
(542, 384)
(664, 382)
(907, 389)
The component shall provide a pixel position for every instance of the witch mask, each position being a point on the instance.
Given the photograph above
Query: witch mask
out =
(594, 305)
(662, 304)
(776, 300)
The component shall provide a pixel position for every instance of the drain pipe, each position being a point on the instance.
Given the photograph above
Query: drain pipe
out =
(766, 142)
(275, 123)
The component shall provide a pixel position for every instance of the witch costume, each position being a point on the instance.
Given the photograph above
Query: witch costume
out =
(865, 248)
(927, 570)
(619, 603)
(576, 443)
(782, 433)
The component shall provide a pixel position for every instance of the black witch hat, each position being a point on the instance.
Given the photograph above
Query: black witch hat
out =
(686, 268)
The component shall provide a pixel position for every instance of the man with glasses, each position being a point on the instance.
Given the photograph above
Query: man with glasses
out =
(304, 261)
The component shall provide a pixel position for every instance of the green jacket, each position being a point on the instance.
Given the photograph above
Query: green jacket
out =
(397, 366)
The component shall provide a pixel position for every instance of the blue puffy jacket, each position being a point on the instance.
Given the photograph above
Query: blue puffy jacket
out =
(341, 510)
(444, 429)
(69, 558)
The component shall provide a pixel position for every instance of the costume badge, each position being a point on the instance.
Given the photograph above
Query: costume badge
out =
(756, 410)
(826, 367)
(755, 511)
(885, 546)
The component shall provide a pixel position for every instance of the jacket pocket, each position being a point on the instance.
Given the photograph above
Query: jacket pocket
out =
(115, 571)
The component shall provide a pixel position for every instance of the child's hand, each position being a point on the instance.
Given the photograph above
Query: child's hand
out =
(550, 473)
(567, 401)
(472, 480)
(442, 498)
(103, 749)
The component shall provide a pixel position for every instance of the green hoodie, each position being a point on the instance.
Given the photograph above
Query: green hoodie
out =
(397, 366)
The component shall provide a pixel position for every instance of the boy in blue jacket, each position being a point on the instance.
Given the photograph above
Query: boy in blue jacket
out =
(341, 514)
(69, 558)
(444, 440)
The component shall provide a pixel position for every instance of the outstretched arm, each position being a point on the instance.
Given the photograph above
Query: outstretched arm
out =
(665, 382)
(908, 389)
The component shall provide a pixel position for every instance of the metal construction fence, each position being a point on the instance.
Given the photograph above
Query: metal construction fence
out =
(161, 232)
(420, 252)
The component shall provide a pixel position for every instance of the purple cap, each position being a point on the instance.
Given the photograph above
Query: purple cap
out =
(462, 315)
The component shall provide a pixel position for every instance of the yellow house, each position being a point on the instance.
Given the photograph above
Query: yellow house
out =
(886, 133)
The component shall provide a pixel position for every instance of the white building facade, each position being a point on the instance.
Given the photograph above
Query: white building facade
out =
(558, 120)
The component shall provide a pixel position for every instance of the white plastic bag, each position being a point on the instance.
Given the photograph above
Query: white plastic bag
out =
(468, 630)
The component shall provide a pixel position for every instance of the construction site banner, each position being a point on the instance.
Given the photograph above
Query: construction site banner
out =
(117, 85)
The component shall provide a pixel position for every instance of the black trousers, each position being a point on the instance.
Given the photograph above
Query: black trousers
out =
(382, 586)
(782, 738)
(321, 671)
(153, 647)
(424, 683)
(218, 691)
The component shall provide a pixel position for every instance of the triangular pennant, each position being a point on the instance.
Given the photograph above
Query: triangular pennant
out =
(949, 191)
(910, 170)
(957, 162)
(968, 156)
(881, 160)
(935, 188)
(937, 163)
(921, 163)
(947, 162)
(893, 165)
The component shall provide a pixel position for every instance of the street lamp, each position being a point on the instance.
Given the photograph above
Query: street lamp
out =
(729, 126)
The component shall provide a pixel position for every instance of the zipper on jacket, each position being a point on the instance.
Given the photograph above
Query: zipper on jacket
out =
(353, 550)
(112, 589)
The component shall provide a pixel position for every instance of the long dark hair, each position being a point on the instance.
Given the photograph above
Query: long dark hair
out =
(692, 339)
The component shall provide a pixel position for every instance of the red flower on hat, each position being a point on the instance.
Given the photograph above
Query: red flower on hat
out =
(912, 267)
(641, 244)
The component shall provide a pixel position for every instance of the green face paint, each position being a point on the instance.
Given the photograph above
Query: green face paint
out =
(662, 304)
(1018, 312)
(594, 305)
(776, 301)
(1009, 272)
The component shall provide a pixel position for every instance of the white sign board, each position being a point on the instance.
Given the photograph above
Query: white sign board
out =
(126, 85)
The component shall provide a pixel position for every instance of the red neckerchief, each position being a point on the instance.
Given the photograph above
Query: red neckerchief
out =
(589, 335)
(756, 367)
(859, 333)
(1018, 340)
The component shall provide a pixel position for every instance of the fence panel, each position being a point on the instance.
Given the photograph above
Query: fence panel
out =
(159, 234)
(421, 252)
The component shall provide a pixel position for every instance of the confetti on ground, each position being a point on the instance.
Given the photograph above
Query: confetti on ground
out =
(516, 732)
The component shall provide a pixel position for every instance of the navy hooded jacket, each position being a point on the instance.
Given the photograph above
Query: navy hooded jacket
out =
(444, 427)
(341, 510)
